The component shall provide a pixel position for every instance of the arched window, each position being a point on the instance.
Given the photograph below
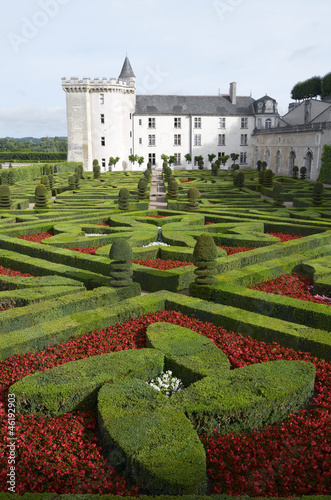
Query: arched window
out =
(308, 163)
(267, 157)
(268, 123)
(278, 162)
(291, 162)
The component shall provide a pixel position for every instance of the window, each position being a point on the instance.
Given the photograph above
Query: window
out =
(243, 140)
(259, 123)
(103, 141)
(103, 162)
(151, 158)
(244, 123)
(220, 155)
(243, 158)
(178, 158)
(140, 140)
(130, 116)
(151, 122)
(221, 123)
(140, 121)
(177, 140)
(102, 98)
(221, 139)
(177, 122)
(130, 134)
(151, 140)
(268, 123)
(197, 140)
(197, 122)
(102, 118)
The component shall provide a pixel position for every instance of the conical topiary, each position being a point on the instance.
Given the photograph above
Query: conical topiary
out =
(11, 181)
(120, 268)
(41, 196)
(204, 255)
(80, 170)
(278, 195)
(240, 179)
(193, 198)
(51, 181)
(5, 197)
(149, 166)
(214, 169)
(147, 174)
(172, 189)
(318, 193)
(96, 170)
(71, 182)
(267, 178)
(303, 172)
(4, 176)
(76, 176)
(295, 172)
(45, 181)
(142, 186)
(123, 199)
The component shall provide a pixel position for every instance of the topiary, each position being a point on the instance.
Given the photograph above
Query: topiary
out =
(120, 268)
(147, 174)
(45, 180)
(80, 170)
(267, 178)
(303, 172)
(214, 168)
(318, 193)
(96, 170)
(149, 165)
(167, 173)
(11, 181)
(240, 179)
(76, 176)
(172, 189)
(193, 197)
(5, 197)
(235, 178)
(204, 255)
(277, 195)
(142, 186)
(71, 182)
(295, 172)
(4, 177)
(51, 181)
(123, 199)
(41, 196)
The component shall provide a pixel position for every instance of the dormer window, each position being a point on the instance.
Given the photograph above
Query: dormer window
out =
(268, 123)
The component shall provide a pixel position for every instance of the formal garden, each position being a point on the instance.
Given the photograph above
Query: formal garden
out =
(179, 351)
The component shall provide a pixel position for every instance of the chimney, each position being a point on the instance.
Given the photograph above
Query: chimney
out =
(233, 92)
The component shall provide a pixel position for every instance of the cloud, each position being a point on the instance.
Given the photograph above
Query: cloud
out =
(303, 53)
(29, 121)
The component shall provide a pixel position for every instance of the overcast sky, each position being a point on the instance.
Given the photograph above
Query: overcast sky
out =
(183, 47)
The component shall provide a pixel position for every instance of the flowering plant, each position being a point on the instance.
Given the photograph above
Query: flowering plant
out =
(36, 237)
(160, 264)
(166, 384)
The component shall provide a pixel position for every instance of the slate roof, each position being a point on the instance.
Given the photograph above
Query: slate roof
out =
(193, 105)
(127, 71)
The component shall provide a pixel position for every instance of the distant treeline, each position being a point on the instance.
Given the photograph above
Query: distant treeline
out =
(28, 156)
(33, 145)
(313, 87)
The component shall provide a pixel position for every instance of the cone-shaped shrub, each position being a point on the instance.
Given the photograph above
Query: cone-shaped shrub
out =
(76, 176)
(11, 181)
(149, 165)
(147, 174)
(45, 181)
(303, 172)
(71, 182)
(261, 176)
(295, 172)
(123, 199)
(172, 188)
(41, 196)
(267, 178)
(164, 165)
(51, 181)
(5, 197)
(214, 169)
(167, 174)
(80, 170)
(96, 170)
(240, 179)
(120, 268)
(277, 194)
(204, 255)
(193, 198)
(142, 186)
(4, 177)
(318, 193)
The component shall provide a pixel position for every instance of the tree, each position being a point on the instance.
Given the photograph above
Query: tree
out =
(112, 162)
(234, 157)
(326, 85)
(188, 158)
(211, 158)
(240, 180)
(214, 168)
(199, 161)
(165, 158)
(267, 178)
(142, 186)
(5, 197)
(224, 159)
(133, 158)
(295, 171)
(172, 159)
(141, 160)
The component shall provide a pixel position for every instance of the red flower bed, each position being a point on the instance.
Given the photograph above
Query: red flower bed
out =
(208, 223)
(286, 237)
(233, 250)
(286, 459)
(89, 250)
(36, 237)
(104, 224)
(187, 180)
(293, 285)
(160, 264)
(157, 216)
(9, 272)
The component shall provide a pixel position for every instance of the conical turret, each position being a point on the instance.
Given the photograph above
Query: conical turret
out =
(127, 74)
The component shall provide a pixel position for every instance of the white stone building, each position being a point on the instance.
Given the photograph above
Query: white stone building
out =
(107, 118)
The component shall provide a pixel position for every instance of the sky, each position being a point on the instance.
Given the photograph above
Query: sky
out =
(185, 47)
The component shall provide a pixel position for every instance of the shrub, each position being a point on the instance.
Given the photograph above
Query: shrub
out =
(45, 181)
(295, 172)
(142, 186)
(120, 269)
(204, 255)
(240, 180)
(172, 189)
(5, 197)
(267, 178)
(278, 195)
(51, 181)
(123, 199)
(318, 193)
(72, 182)
(303, 172)
(11, 181)
(41, 196)
(214, 168)
(96, 170)
(193, 198)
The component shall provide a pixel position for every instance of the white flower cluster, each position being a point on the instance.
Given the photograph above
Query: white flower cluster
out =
(154, 243)
(94, 234)
(167, 384)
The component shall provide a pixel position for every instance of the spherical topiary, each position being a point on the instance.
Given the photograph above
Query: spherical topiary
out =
(267, 178)
(120, 268)
(5, 197)
(142, 186)
(45, 181)
(277, 194)
(96, 170)
(172, 189)
(123, 199)
(71, 182)
(318, 193)
(303, 172)
(193, 198)
(295, 172)
(204, 255)
(41, 196)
